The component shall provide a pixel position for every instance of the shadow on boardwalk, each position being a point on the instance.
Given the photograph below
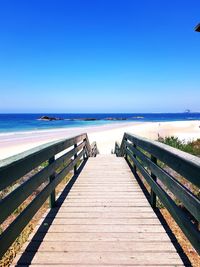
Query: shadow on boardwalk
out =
(26, 258)
(171, 235)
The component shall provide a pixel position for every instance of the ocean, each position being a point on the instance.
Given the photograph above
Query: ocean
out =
(29, 122)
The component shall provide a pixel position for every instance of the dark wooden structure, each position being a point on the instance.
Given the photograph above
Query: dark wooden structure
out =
(102, 218)
(197, 28)
(143, 154)
(73, 150)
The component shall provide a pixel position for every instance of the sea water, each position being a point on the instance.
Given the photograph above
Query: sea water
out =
(30, 122)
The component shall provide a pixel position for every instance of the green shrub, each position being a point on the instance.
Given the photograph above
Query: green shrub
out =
(192, 147)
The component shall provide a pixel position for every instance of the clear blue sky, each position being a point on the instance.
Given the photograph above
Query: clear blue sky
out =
(99, 56)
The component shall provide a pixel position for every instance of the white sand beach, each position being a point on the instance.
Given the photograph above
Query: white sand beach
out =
(105, 136)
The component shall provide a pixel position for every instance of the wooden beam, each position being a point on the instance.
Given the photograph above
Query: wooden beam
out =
(197, 28)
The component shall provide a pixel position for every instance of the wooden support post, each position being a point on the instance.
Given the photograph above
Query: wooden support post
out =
(124, 152)
(153, 195)
(95, 150)
(52, 197)
(75, 156)
(134, 166)
(85, 155)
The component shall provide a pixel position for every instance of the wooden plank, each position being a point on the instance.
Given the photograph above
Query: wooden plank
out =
(104, 190)
(107, 237)
(106, 209)
(93, 203)
(100, 197)
(101, 246)
(97, 265)
(102, 221)
(120, 258)
(101, 200)
(105, 228)
(107, 188)
(102, 215)
(137, 193)
(105, 204)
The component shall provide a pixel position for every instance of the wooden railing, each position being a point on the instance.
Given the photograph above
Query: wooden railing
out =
(150, 158)
(93, 150)
(73, 152)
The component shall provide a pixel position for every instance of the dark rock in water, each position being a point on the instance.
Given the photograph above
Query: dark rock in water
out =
(116, 119)
(86, 119)
(90, 119)
(47, 118)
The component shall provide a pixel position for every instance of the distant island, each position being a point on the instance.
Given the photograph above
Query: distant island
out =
(48, 118)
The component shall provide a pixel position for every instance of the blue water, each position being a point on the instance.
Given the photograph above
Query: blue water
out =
(30, 122)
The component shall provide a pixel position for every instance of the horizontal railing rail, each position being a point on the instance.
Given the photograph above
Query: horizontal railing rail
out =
(150, 158)
(73, 151)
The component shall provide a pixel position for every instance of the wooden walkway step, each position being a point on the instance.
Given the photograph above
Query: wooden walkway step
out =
(105, 220)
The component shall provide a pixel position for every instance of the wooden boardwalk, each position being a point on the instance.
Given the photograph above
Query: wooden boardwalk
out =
(105, 220)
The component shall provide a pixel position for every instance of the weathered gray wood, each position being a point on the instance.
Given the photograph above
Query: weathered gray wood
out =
(114, 228)
(107, 237)
(105, 258)
(102, 246)
(107, 215)
(106, 209)
(95, 265)
(104, 221)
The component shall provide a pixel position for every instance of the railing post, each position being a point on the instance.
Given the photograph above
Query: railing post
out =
(124, 152)
(134, 166)
(95, 150)
(85, 156)
(84, 150)
(52, 197)
(75, 156)
(153, 195)
(87, 152)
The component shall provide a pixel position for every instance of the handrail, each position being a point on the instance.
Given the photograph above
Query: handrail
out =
(74, 151)
(144, 154)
